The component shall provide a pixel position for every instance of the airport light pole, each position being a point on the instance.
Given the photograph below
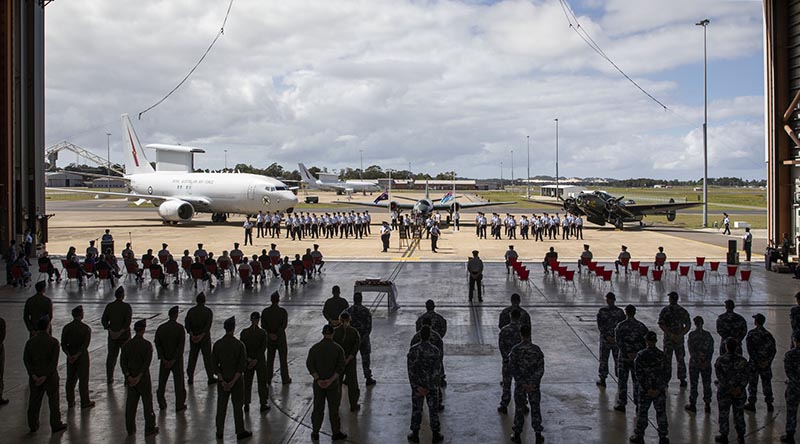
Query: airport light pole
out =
(226, 160)
(361, 157)
(529, 165)
(704, 23)
(108, 167)
(512, 168)
(557, 189)
(501, 174)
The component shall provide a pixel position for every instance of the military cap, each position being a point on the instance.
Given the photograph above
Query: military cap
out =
(760, 319)
(611, 295)
(174, 310)
(201, 298)
(429, 304)
(327, 329)
(119, 292)
(651, 336)
(275, 296)
(140, 325)
(230, 323)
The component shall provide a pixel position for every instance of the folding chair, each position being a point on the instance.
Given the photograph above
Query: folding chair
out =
(258, 272)
(732, 269)
(299, 270)
(658, 264)
(569, 277)
(131, 268)
(64, 263)
(635, 267)
(197, 275)
(186, 264)
(155, 276)
(244, 276)
(318, 262)
(71, 273)
(605, 276)
(656, 279)
(103, 276)
(18, 277)
(236, 259)
(624, 262)
(699, 277)
(212, 269)
(172, 270)
(744, 276)
(673, 266)
(42, 270)
(683, 272)
(287, 276)
(643, 270)
(700, 260)
(163, 258)
(714, 268)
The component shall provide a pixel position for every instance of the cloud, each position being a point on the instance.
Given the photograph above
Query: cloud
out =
(441, 84)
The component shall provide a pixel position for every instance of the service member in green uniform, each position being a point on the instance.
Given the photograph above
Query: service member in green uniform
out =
(255, 342)
(3, 401)
(137, 354)
(41, 362)
(334, 306)
(230, 362)
(274, 320)
(37, 306)
(325, 363)
(348, 338)
(198, 324)
(75, 339)
(117, 320)
(170, 341)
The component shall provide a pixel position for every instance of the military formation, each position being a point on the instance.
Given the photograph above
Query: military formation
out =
(234, 363)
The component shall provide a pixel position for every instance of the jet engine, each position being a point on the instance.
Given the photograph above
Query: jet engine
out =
(393, 206)
(671, 214)
(176, 211)
(455, 206)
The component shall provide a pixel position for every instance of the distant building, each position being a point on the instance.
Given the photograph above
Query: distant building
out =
(106, 183)
(63, 179)
(564, 191)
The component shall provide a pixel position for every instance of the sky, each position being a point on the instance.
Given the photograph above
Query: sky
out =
(440, 85)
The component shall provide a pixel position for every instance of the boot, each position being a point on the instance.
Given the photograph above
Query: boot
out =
(690, 408)
(750, 407)
(413, 437)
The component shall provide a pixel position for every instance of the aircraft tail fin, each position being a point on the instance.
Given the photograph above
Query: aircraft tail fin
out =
(135, 160)
(307, 178)
(427, 191)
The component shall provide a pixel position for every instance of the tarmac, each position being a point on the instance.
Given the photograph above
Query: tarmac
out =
(563, 317)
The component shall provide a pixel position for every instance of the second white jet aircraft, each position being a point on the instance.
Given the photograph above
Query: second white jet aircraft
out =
(348, 187)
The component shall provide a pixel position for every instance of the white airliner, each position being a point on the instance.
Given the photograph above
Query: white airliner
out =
(329, 182)
(181, 194)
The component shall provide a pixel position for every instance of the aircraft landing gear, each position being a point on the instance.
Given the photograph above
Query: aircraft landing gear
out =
(618, 224)
(219, 217)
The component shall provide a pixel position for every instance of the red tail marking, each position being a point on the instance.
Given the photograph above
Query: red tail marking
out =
(133, 149)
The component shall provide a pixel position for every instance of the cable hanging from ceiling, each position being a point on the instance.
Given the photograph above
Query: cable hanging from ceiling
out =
(219, 34)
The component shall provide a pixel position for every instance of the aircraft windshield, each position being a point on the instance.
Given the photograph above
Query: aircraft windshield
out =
(281, 188)
(604, 195)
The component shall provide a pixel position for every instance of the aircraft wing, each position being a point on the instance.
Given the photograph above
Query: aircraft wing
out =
(381, 204)
(395, 196)
(194, 200)
(551, 203)
(448, 205)
(662, 208)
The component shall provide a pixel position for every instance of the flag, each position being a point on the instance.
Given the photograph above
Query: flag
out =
(383, 196)
(446, 198)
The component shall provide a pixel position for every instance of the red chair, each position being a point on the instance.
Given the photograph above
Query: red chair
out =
(700, 261)
(172, 270)
(317, 263)
(308, 264)
(103, 276)
(226, 267)
(562, 270)
(131, 268)
(732, 269)
(236, 259)
(744, 276)
(146, 263)
(71, 273)
(258, 271)
(714, 268)
(212, 269)
(88, 268)
(605, 276)
(275, 260)
(643, 270)
(64, 263)
(42, 270)
(658, 264)
(635, 266)
(523, 275)
(683, 272)
(655, 279)
(197, 275)
(553, 266)
(673, 265)
(624, 262)
(569, 277)
(18, 277)
(699, 277)
(156, 274)
(186, 264)
(287, 276)
(244, 276)
(163, 258)
(298, 269)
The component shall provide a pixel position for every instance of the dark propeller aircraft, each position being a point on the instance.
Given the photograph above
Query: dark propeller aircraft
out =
(600, 208)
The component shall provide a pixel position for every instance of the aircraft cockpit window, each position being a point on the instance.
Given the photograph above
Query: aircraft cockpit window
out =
(270, 188)
(281, 188)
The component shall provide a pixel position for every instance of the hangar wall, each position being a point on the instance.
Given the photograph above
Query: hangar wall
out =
(22, 120)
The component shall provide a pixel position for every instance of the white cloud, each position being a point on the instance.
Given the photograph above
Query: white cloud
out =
(441, 84)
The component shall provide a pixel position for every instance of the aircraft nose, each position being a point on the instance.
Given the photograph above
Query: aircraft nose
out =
(288, 196)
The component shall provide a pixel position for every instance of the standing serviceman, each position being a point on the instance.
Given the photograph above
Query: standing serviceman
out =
(75, 339)
(347, 337)
(726, 223)
(629, 335)
(116, 318)
(607, 319)
(701, 350)
(274, 320)
(475, 270)
(248, 231)
(652, 375)
(424, 363)
(3, 401)
(170, 342)
(761, 350)
(255, 342)
(334, 306)
(361, 320)
(508, 337)
(41, 362)
(325, 363)
(386, 233)
(230, 363)
(505, 315)
(137, 354)
(527, 366)
(747, 242)
(198, 324)
(733, 374)
(791, 365)
(731, 325)
(435, 233)
(37, 306)
(794, 315)
(675, 322)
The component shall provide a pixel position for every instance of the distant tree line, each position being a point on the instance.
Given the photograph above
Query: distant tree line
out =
(712, 181)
